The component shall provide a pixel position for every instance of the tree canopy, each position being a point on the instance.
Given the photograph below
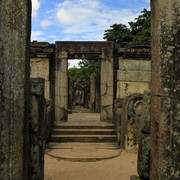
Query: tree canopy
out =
(138, 30)
(86, 68)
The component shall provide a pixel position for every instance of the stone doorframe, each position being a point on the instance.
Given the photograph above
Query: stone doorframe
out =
(103, 51)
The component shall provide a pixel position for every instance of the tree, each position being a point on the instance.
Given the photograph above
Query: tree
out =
(118, 33)
(139, 30)
(87, 67)
(74, 72)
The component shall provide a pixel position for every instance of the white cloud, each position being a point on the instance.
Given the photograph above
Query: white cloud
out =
(35, 8)
(37, 35)
(54, 37)
(147, 1)
(89, 18)
(45, 23)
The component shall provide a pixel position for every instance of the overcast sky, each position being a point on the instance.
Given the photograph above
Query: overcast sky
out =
(84, 20)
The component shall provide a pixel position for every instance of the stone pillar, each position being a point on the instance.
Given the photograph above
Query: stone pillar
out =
(61, 86)
(144, 139)
(107, 85)
(165, 106)
(37, 129)
(14, 88)
(92, 92)
(98, 97)
(70, 94)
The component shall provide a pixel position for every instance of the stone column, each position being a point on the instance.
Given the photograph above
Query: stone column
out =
(37, 129)
(70, 94)
(92, 92)
(61, 87)
(14, 88)
(107, 85)
(165, 105)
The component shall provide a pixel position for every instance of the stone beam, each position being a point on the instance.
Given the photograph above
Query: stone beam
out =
(165, 105)
(14, 88)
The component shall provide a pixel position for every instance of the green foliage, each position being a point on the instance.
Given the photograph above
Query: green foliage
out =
(74, 72)
(87, 67)
(118, 33)
(139, 29)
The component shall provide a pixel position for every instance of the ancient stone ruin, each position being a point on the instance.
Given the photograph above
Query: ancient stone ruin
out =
(139, 92)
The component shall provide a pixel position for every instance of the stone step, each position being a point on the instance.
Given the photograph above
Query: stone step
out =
(83, 126)
(83, 132)
(83, 138)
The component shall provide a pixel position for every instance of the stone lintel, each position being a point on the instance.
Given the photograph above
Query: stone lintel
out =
(41, 49)
(134, 50)
(83, 47)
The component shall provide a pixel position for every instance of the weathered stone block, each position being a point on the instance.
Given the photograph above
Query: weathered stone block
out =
(125, 88)
(40, 68)
(135, 65)
(144, 156)
(134, 76)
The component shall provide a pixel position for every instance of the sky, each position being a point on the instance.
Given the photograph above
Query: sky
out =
(80, 20)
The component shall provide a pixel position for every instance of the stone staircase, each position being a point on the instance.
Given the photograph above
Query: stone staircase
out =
(83, 133)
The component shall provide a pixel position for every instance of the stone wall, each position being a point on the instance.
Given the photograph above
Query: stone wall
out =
(42, 66)
(41, 57)
(134, 71)
(133, 76)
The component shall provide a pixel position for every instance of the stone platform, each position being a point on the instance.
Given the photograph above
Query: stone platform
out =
(83, 152)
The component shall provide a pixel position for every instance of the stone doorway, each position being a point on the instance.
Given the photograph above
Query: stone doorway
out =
(103, 51)
(84, 85)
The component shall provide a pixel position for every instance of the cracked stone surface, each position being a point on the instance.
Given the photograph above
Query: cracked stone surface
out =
(165, 106)
(107, 87)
